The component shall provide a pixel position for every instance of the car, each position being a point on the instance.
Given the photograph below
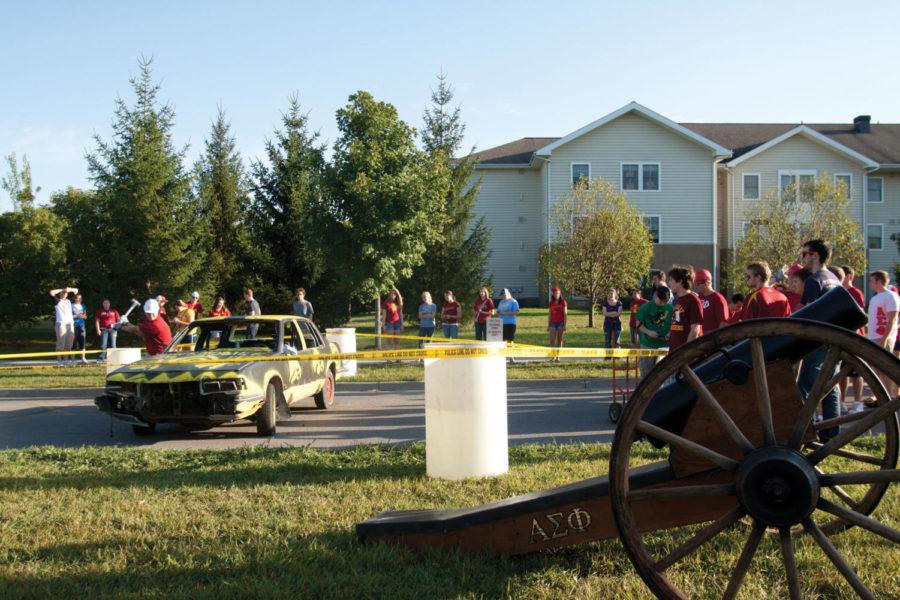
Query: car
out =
(224, 369)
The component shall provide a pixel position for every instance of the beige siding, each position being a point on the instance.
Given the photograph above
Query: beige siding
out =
(886, 213)
(512, 204)
(684, 202)
(797, 152)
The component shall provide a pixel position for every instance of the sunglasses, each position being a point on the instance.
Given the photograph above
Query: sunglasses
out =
(805, 253)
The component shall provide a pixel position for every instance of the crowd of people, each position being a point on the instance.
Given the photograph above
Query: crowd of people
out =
(71, 316)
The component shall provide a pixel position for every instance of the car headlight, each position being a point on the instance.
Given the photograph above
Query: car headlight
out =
(223, 386)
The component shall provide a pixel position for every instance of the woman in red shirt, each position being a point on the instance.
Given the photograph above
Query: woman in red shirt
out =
(483, 309)
(450, 316)
(219, 309)
(558, 312)
(393, 319)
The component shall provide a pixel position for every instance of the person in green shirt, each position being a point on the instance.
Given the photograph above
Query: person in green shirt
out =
(653, 321)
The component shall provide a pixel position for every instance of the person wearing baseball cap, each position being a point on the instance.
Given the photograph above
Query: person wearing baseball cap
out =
(194, 305)
(156, 332)
(715, 307)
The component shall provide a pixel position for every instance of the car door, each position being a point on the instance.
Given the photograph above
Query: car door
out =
(314, 345)
(295, 377)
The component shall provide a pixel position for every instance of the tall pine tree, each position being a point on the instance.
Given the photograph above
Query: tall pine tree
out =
(152, 234)
(286, 191)
(221, 188)
(457, 258)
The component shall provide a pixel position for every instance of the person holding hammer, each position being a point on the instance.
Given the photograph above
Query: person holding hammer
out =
(156, 332)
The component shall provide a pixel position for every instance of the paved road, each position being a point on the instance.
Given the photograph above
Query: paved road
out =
(538, 412)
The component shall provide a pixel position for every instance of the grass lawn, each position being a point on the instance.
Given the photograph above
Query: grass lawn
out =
(264, 523)
(532, 330)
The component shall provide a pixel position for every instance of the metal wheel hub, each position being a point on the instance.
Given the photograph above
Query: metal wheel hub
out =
(777, 486)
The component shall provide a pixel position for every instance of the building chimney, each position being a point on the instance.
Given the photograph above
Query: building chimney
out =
(861, 124)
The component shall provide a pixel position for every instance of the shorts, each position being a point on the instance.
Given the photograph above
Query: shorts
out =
(558, 326)
(393, 327)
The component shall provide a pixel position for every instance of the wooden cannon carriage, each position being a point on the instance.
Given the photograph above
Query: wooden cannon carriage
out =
(744, 453)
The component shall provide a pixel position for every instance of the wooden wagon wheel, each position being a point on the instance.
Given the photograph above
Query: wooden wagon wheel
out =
(778, 484)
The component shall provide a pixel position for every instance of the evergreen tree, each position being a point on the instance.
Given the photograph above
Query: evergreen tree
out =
(18, 183)
(223, 200)
(286, 192)
(140, 179)
(457, 259)
(385, 195)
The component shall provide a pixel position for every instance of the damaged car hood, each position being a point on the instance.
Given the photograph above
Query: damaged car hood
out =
(186, 366)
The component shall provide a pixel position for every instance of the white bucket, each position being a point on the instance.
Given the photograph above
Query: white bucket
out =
(465, 415)
(116, 357)
(345, 338)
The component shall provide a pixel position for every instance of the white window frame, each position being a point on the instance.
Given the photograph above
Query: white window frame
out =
(850, 186)
(658, 220)
(881, 179)
(744, 186)
(640, 164)
(880, 237)
(796, 173)
(572, 171)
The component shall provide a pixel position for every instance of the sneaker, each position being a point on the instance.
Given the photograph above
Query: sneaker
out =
(857, 407)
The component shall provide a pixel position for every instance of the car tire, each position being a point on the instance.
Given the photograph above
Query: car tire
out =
(325, 397)
(266, 417)
(142, 430)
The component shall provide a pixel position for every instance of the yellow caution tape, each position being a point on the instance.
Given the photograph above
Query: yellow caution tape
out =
(406, 354)
(435, 338)
(46, 354)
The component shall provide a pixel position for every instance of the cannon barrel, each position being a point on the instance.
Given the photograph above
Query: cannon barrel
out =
(672, 404)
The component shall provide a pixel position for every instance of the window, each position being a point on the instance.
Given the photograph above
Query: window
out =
(796, 184)
(310, 335)
(751, 186)
(874, 236)
(844, 181)
(652, 223)
(640, 177)
(580, 171)
(874, 189)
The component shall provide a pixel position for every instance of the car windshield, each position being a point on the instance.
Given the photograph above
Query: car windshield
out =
(232, 335)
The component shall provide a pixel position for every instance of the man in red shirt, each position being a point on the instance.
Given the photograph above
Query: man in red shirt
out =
(687, 317)
(715, 307)
(636, 302)
(195, 305)
(763, 300)
(155, 330)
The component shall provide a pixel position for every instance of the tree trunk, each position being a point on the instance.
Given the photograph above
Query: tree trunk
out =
(593, 305)
(378, 321)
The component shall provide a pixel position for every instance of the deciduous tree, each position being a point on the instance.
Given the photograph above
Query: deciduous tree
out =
(18, 184)
(599, 242)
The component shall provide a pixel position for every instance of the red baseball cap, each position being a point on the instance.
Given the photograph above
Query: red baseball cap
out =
(554, 289)
(702, 275)
(794, 268)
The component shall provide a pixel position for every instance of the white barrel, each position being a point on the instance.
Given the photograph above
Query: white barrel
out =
(345, 338)
(465, 415)
(116, 357)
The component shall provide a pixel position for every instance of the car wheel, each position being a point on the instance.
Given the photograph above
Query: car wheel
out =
(148, 429)
(265, 416)
(325, 397)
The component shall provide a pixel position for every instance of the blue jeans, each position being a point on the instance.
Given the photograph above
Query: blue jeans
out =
(480, 330)
(107, 340)
(831, 406)
(425, 331)
(451, 330)
(610, 335)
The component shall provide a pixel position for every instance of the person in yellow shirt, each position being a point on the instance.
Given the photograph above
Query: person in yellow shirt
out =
(184, 317)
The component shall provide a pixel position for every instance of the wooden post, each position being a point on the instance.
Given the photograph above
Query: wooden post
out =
(378, 321)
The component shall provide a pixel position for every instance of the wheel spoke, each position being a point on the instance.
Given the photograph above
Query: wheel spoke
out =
(855, 430)
(866, 458)
(724, 418)
(687, 445)
(837, 560)
(763, 402)
(829, 423)
(790, 564)
(715, 489)
(743, 563)
(860, 519)
(700, 538)
(837, 490)
(824, 382)
(880, 476)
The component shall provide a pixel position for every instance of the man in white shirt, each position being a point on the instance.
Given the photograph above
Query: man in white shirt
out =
(65, 320)
(883, 308)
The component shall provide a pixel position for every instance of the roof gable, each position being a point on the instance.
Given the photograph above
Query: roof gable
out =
(647, 113)
(811, 134)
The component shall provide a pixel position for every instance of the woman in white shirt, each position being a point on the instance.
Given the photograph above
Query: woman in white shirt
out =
(65, 320)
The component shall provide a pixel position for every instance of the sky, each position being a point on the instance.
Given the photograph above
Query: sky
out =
(518, 68)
